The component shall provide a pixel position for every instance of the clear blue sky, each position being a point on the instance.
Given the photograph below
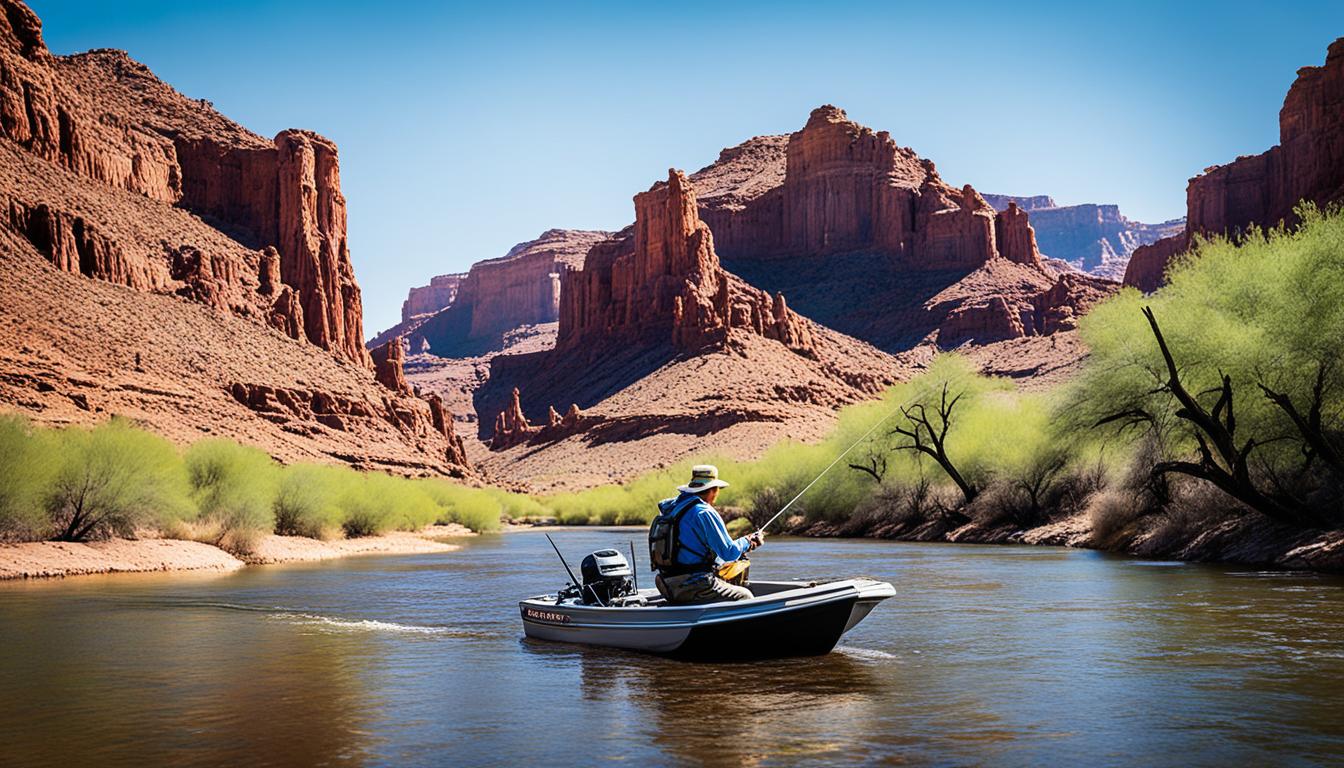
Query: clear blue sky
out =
(466, 129)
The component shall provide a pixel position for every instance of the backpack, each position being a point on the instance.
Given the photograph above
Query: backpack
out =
(665, 536)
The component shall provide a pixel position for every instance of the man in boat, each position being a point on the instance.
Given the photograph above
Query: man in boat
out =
(688, 542)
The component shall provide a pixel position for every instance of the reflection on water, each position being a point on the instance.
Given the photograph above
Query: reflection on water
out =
(1009, 656)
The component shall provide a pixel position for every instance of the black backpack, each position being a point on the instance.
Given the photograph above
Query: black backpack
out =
(665, 539)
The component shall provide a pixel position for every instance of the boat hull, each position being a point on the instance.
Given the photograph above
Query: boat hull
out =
(789, 619)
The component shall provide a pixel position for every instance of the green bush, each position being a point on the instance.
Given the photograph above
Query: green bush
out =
(234, 488)
(306, 500)
(479, 509)
(26, 465)
(112, 480)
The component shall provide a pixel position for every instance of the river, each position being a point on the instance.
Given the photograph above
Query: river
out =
(988, 655)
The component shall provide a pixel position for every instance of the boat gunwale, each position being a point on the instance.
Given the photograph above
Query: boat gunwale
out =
(714, 613)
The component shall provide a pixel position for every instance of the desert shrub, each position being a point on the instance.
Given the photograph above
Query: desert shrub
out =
(1195, 509)
(360, 513)
(372, 503)
(514, 506)
(305, 502)
(26, 464)
(477, 508)
(112, 480)
(234, 489)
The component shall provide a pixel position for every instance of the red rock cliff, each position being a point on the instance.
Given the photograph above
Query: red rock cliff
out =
(499, 295)
(428, 299)
(847, 188)
(663, 277)
(105, 117)
(1262, 190)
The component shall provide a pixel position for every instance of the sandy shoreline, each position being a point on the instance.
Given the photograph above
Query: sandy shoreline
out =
(50, 559)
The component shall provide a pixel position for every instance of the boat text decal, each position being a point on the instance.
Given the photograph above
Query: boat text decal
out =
(551, 616)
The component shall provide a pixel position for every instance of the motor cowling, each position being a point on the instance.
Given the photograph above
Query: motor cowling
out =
(606, 576)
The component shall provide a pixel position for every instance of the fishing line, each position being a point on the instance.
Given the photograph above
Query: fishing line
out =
(870, 431)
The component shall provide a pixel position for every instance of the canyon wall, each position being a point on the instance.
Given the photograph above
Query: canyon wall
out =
(846, 188)
(106, 118)
(1096, 239)
(498, 295)
(428, 299)
(1028, 203)
(119, 182)
(1262, 190)
(664, 277)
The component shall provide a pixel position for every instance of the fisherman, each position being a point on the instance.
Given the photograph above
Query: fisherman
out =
(688, 542)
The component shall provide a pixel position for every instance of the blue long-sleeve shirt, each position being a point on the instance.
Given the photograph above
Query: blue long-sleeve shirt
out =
(701, 531)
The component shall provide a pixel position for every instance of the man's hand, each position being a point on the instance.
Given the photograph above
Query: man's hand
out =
(755, 540)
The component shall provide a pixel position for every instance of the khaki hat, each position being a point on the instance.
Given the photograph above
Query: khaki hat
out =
(703, 477)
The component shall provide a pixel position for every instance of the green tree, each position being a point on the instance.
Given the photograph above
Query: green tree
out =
(112, 480)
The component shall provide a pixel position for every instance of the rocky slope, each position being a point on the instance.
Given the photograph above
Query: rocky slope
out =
(1262, 190)
(1092, 238)
(865, 237)
(164, 263)
(658, 347)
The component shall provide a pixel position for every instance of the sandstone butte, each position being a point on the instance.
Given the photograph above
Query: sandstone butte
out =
(865, 237)
(1262, 190)
(165, 263)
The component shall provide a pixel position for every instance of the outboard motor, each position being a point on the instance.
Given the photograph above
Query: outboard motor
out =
(606, 576)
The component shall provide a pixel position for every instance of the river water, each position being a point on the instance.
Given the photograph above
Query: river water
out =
(988, 655)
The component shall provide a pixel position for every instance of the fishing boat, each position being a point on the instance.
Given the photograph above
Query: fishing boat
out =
(783, 618)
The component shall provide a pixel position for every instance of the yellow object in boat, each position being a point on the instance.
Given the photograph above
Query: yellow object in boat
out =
(735, 572)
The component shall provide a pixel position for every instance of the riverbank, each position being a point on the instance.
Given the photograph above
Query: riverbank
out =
(1240, 539)
(53, 559)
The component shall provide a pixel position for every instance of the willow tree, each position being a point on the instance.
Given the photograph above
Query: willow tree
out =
(1232, 368)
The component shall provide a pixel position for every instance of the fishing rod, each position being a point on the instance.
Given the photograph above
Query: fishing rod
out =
(845, 453)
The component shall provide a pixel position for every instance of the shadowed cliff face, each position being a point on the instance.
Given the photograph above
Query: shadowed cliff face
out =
(1262, 190)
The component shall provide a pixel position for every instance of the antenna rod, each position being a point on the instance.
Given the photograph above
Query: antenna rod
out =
(870, 431)
(562, 562)
(571, 573)
(634, 564)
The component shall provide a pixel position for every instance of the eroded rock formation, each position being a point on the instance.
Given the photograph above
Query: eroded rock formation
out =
(512, 427)
(1015, 237)
(846, 188)
(663, 277)
(106, 118)
(1262, 190)
(418, 420)
(499, 295)
(388, 362)
(428, 299)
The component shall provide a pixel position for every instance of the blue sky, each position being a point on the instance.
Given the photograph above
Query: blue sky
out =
(464, 129)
